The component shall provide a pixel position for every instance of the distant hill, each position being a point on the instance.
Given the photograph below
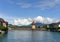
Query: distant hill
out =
(39, 24)
(16, 26)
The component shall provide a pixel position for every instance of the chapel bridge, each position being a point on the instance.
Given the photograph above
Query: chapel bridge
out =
(41, 29)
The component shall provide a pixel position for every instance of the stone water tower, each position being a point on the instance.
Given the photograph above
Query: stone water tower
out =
(33, 25)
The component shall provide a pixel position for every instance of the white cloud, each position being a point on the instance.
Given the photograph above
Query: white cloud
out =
(24, 5)
(47, 4)
(40, 19)
(46, 20)
(44, 4)
(22, 21)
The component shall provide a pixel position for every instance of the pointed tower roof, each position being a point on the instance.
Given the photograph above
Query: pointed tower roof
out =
(33, 23)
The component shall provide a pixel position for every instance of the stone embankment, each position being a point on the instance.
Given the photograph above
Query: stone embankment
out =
(2, 32)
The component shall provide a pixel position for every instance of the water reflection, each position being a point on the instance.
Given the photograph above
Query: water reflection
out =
(3, 38)
(30, 36)
(44, 36)
(20, 36)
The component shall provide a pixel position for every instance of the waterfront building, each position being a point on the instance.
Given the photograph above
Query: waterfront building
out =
(54, 25)
(3, 22)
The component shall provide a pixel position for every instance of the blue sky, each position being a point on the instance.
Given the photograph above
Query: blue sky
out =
(12, 9)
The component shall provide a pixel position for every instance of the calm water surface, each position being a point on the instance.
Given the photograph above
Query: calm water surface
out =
(30, 36)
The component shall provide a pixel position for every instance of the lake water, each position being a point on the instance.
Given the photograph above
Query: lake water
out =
(30, 36)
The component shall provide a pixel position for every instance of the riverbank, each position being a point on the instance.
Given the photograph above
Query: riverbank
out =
(3, 32)
(3, 29)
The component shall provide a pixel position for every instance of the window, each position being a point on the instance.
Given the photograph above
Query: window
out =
(0, 24)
